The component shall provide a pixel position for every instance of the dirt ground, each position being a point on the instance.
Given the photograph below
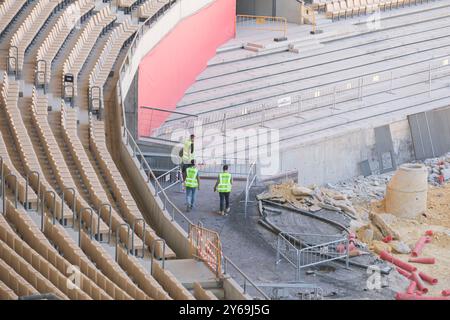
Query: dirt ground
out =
(436, 219)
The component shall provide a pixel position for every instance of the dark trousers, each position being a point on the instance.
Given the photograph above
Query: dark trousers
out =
(224, 198)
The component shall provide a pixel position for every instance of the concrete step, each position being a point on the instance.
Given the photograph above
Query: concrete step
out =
(188, 271)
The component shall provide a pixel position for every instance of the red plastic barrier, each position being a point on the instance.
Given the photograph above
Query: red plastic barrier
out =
(429, 232)
(423, 260)
(446, 292)
(419, 246)
(404, 273)
(419, 282)
(428, 278)
(399, 263)
(412, 287)
(407, 296)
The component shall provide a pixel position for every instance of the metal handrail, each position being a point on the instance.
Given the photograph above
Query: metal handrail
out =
(251, 178)
(44, 193)
(133, 235)
(127, 245)
(213, 117)
(73, 205)
(44, 73)
(146, 167)
(80, 218)
(246, 278)
(110, 221)
(153, 253)
(16, 59)
(27, 183)
(4, 190)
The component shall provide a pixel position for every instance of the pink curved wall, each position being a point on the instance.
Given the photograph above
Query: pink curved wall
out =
(169, 69)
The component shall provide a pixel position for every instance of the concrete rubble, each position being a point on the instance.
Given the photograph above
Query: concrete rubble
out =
(363, 189)
(310, 198)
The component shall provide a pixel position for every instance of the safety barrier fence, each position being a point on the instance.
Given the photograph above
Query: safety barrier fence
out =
(263, 23)
(327, 96)
(207, 247)
(303, 250)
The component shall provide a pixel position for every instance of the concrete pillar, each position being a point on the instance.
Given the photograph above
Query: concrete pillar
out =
(406, 193)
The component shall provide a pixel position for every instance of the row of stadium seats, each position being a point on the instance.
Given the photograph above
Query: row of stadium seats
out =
(150, 7)
(10, 95)
(104, 65)
(28, 30)
(97, 194)
(351, 8)
(8, 10)
(80, 52)
(39, 114)
(47, 52)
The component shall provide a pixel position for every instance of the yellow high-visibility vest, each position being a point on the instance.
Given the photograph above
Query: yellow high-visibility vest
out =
(191, 177)
(187, 155)
(224, 182)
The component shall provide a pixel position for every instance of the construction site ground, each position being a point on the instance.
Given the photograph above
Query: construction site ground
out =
(253, 249)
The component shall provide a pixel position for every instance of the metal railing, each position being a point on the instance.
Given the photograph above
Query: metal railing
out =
(307, 250)
(251, 179)
(169, 179)
(330, 96)
(227, 263)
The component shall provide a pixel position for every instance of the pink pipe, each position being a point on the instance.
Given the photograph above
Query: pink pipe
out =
(399, 263)
(423, 260)
(419, 245)
(404, 273)
(411, 288)
(419, 282)
(407, 296)
(428, 278)
(446, 292)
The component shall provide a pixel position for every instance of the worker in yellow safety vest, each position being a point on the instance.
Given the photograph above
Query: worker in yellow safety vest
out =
(187, 155)
(192, 183)
(223, 186)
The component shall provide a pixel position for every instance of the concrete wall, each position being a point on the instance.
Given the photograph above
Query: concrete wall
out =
(255, 7)
(160, 220)
(130, 104)
(290, 9)
(152, 36)
(280, 8)
(338, 157)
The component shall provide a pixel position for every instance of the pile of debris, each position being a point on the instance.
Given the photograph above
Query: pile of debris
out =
(363, 189)
(309, 198)
(438, 169)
